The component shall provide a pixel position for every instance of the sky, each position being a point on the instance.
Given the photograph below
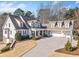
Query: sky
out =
(11, 6)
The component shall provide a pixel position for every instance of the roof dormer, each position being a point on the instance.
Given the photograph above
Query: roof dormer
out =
(21, 24)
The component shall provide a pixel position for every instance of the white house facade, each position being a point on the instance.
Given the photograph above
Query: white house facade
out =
(12, 25)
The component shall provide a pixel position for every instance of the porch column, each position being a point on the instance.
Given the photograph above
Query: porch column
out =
(42, 33)
(38, 33)
(71, 35)
(35, 33)
(50, 32)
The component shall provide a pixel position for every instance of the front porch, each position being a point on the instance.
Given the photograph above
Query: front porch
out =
(51, 32)
(37, 33)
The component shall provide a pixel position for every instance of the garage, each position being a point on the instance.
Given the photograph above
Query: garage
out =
(55, 34)
(61, 34)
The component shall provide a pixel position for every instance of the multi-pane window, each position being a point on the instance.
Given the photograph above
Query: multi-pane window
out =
(24, 32)
(5, 32)
(9, 24)
(55, 24)
(10, 32)
(21, 24)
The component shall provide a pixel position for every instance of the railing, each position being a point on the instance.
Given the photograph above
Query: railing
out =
(13, 44)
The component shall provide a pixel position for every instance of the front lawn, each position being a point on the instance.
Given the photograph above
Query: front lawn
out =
(20, 48)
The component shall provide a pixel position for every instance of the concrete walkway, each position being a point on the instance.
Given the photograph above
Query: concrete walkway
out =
(45, 45)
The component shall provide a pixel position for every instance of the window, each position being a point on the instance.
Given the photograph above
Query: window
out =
(19, 31)
(62, 23)
(25, 32)
(70, 23)
(9, 24)
(10, 32)
(5, 32)
(56, 24)
(21, 24)
(36, 33)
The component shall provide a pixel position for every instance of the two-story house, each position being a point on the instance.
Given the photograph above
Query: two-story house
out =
(15, 24)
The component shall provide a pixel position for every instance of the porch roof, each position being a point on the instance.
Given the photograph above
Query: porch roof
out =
(58, 29)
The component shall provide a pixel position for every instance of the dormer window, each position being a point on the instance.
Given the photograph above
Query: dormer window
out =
(9, 24)
(62, 23)
(55, 24)
(21, 24)
(70, 23)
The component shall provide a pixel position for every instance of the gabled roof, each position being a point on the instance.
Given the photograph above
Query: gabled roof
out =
(13, 19)
(26, 19)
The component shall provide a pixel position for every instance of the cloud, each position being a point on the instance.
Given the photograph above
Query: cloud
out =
(55, 2)
(68, 7)
(77, 2)
(10, 7)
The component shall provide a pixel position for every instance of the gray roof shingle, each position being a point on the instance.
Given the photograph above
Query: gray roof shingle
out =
(13, 18)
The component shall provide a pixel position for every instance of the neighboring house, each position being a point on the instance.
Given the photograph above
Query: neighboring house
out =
(15, 24)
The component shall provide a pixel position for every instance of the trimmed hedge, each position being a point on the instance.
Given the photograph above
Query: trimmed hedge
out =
(25, 37)
(18, 36)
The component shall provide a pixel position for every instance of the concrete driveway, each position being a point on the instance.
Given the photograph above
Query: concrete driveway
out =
(45, 45)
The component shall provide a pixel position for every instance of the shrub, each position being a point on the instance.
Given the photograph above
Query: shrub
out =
(75, 33)
(78, 44)
(25, 37)
(18, 36)
(8, 44)
(6, 48)
(68, 46)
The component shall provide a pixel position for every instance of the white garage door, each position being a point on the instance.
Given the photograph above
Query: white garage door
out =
(58, 34)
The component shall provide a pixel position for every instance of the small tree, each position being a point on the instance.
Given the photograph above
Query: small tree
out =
(75, 32)
(18, 36)
(19, 12)
(78, 44)
(68, 46)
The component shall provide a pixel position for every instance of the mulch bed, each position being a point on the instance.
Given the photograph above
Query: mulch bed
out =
(62, 50)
